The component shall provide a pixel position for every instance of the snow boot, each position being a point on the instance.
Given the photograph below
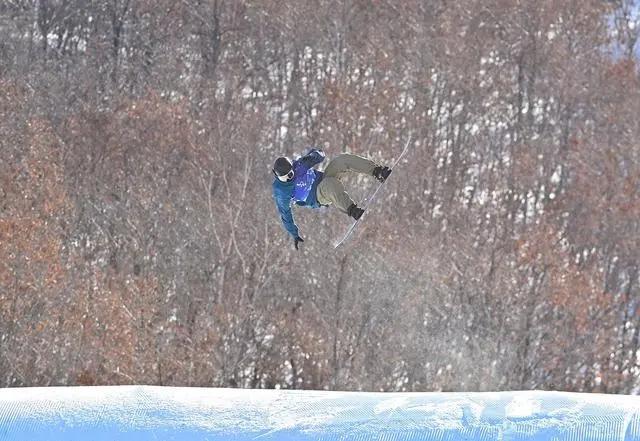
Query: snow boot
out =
(355, 211)
(381, 173)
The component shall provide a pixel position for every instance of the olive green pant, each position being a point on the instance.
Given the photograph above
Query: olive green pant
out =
(331, 190)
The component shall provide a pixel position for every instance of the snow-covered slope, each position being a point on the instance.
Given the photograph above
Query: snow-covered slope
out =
(164, 413)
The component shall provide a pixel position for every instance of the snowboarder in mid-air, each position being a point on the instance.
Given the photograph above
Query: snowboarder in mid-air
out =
(298, 182)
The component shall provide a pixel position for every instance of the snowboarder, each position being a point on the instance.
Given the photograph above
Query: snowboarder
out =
(298, 182)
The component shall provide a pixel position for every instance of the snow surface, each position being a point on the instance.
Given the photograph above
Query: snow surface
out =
(165, 413)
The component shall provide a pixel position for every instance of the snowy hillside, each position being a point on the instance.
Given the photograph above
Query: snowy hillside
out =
(153, 413)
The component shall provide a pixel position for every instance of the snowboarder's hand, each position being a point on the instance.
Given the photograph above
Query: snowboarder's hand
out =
(296, 241)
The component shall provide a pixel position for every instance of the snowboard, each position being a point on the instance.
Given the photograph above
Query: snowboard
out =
(369, 199)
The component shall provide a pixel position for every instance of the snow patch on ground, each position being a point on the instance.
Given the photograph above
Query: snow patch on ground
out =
(522, 406)
(144, 412)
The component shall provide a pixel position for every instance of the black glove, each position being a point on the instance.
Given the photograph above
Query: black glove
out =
(296, 241)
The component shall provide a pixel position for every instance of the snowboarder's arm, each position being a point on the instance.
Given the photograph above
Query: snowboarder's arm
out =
(286, 216)
(314, 157)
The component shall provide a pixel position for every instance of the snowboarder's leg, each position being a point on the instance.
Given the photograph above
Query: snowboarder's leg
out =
(331, 191)
(347, 162)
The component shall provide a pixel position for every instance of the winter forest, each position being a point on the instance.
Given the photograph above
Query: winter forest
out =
(140, 244)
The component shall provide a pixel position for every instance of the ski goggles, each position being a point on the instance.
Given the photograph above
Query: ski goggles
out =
(287, 177)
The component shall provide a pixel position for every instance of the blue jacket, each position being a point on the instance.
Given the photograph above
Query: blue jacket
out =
(301, 190)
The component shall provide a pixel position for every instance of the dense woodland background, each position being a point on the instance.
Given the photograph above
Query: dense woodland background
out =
(139, 242)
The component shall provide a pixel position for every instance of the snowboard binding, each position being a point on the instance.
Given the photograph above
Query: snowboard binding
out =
(381, 173)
